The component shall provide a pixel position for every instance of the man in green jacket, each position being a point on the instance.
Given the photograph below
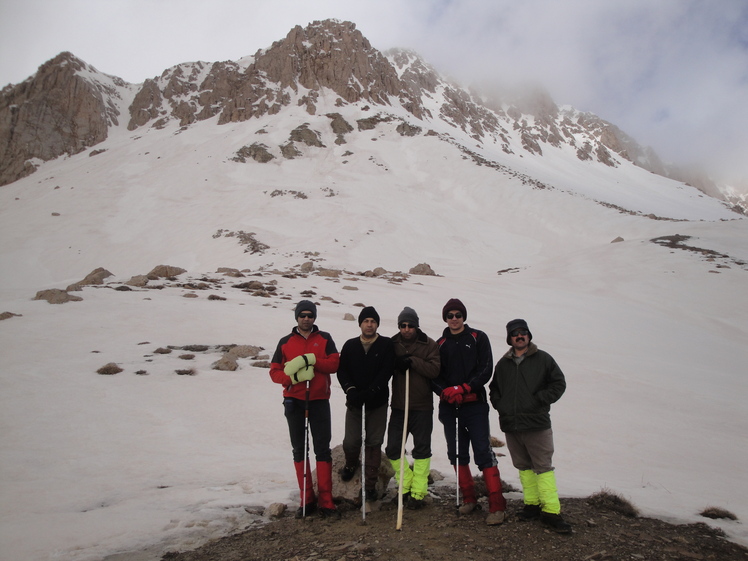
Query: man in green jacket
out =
(526, 382)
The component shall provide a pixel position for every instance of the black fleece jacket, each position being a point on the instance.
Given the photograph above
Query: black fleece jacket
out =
(370, 372)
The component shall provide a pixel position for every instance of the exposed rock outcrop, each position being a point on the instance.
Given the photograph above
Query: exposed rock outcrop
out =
(165, 271)
(68, 106)
(422, 269)
(96, 276)
(59, 110)
(56, 296)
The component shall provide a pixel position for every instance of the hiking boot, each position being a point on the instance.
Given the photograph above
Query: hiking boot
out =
(347, 473)
(310, 509)
(529, 512)
(396, 498)
(555, 523)
(467, 508)
(329, 513)
(495, 518)
(414, 504)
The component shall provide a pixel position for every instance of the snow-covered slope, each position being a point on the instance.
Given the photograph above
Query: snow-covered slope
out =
(650, 336)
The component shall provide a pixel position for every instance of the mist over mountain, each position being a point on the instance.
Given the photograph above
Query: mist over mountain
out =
(68, 106)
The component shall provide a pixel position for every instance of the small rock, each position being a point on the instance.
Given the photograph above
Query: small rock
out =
(226, 363)
(109, 369)
(96, 276)
(229, 272)
(165, 271)
(56, 296)
(243, 351)
(138, 281)
(496, 443)
(423, 269)
(8, 315)
(275, 510)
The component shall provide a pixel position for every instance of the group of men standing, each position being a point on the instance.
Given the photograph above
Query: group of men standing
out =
(459, 368)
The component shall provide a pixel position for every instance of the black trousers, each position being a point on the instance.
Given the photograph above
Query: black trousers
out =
(474, 431)
(319, 423)
(420, 425)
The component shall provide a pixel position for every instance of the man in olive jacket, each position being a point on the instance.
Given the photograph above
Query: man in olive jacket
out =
(526, 382)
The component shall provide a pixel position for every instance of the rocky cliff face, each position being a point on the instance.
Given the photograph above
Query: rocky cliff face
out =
(57, 111)
(329, 54)
(67, 106)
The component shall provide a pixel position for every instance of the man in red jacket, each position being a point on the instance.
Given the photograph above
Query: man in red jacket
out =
(302, 364)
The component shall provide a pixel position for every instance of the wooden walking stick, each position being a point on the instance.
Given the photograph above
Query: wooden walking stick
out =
(402, 453)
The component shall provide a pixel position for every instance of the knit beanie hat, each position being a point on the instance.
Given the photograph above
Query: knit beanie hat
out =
(305, 306)
(516, 324)
(408, 315)
(454, 304)
(368, 312)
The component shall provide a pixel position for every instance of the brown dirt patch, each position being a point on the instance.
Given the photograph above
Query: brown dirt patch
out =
(438, 533)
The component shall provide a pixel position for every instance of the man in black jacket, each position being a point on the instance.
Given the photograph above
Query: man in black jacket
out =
(526, 382)
(466, 363)
(366, 366)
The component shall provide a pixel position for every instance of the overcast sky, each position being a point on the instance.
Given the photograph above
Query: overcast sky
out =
(671, 73)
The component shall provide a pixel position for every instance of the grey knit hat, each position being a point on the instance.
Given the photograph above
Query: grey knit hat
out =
(305, 306)
(408, 315)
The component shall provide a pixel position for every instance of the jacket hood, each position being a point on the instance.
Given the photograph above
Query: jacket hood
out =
(532, 348)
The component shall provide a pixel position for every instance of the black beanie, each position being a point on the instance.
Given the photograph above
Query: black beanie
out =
(516, 324)
(368, 312)
(305, 306)
(454, 304)
(408, 315)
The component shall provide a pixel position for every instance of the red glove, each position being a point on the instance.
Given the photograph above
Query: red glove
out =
(452, 394)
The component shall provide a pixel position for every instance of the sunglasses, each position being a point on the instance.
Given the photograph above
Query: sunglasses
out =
(306, 315)
(518, 332)
(458, 315)
(406, 326)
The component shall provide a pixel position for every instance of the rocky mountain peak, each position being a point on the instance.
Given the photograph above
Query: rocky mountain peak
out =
(59, 110)
(326, 54)
(68, 106)
(334, 55)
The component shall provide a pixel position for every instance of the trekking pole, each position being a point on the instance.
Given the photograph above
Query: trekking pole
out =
(457, 455)
(306, 446)
(363, 462)
(402, 452)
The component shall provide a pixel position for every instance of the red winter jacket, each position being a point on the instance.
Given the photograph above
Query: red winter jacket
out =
(289, 347)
